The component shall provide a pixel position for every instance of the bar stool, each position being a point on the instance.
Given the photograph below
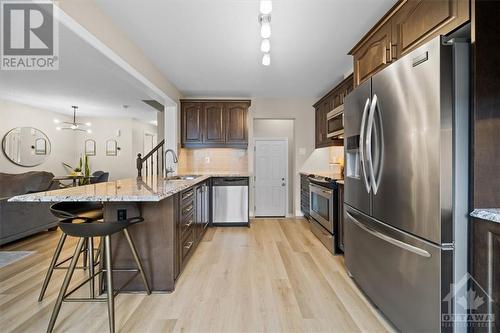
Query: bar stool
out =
(92, 211)
(83, 228)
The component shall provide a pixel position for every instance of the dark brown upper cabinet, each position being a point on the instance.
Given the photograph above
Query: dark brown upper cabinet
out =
(407, 25)
(192, 123)
(236, 123)
(418, 21)
(222, 123)
(214, 130)
(327, 103)
(373, 55)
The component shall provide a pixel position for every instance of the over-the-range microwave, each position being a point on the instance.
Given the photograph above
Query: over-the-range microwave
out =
(335, 123)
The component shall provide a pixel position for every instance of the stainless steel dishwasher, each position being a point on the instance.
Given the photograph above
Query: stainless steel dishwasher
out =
(230, 201)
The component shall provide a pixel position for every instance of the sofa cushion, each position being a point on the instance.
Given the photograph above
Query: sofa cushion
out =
(23, 183)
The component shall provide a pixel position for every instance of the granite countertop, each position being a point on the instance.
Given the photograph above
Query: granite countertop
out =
(326, 174)
(489, 214)
(123, 190)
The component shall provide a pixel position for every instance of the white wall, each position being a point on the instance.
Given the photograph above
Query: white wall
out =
(128, 133)
(306, 157)
(62, 143)
(279, 128)
(68, 146)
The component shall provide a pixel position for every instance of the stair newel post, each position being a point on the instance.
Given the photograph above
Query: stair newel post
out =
(139, 166)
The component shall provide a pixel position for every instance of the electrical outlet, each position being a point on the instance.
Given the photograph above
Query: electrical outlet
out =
(122, 214)
(207, 159)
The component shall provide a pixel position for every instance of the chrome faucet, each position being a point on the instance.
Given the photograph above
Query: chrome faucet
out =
(176, 160)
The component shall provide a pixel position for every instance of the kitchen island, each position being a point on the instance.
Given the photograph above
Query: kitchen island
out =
(175, 213)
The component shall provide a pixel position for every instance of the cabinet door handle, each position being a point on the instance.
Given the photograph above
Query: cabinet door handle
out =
(188, 245)
(189, 224)
(186, 196)
(189, 209)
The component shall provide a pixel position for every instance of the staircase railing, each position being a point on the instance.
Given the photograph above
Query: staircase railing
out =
(152, 161)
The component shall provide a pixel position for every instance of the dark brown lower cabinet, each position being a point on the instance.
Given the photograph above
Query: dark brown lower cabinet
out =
(165, 240)
(304, 195)
(194, 223)
(486, 269)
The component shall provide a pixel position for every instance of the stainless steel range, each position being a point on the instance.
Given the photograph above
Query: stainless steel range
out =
(323, 201)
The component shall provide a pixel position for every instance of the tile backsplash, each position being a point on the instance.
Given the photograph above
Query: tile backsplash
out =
(213, 159)
(336, 159)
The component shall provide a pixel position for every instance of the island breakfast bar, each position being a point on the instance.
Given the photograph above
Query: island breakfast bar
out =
(167, 237)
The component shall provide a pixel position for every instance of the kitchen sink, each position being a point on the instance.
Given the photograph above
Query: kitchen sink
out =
(184, 177)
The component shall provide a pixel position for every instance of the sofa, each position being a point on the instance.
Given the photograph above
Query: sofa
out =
(21, 219)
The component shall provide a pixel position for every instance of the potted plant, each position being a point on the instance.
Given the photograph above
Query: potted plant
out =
(83, 169)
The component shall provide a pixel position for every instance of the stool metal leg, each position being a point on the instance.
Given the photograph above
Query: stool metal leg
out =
(85, 248)
(65, 285)
(100, 278)
(136, 258)
(53, 263)
(109, 283)
(91, 266)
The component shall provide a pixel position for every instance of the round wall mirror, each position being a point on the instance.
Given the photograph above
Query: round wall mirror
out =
(26, 146)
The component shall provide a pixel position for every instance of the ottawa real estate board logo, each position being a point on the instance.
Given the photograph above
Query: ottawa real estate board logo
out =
(29, 36)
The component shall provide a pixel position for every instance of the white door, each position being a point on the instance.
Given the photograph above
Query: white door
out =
(271, 169)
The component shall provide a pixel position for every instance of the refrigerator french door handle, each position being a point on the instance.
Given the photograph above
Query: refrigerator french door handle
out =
(369, 155)
(389, 239)
(362, 145)
(380, 148)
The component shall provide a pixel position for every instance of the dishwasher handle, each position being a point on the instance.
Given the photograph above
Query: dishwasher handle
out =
(230, 181)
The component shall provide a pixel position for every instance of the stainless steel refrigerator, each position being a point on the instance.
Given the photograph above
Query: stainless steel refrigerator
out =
(406, 185)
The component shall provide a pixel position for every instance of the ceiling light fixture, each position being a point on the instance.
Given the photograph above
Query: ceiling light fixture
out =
(266, 7)
(265, 46)
(265, 27)
(75, 126)
(266, 59)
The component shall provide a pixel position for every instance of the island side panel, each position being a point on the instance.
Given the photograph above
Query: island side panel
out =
(155, 240)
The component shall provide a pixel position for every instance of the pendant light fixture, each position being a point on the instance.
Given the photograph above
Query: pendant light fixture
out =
(74, 126)
(266, 6)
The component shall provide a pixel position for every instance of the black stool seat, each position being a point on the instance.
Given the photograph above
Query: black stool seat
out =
(86, 227)
(91, 210)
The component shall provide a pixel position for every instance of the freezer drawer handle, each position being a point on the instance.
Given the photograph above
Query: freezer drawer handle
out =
(391, 240)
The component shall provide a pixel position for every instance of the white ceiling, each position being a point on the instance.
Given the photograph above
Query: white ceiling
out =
(86, 78)
(211, 47)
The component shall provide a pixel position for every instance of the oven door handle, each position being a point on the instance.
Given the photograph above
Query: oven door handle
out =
(317, 189)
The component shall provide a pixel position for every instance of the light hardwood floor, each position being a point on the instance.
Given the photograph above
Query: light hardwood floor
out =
(273, 277)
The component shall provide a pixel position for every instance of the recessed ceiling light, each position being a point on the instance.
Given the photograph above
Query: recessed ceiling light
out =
(265, 46)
